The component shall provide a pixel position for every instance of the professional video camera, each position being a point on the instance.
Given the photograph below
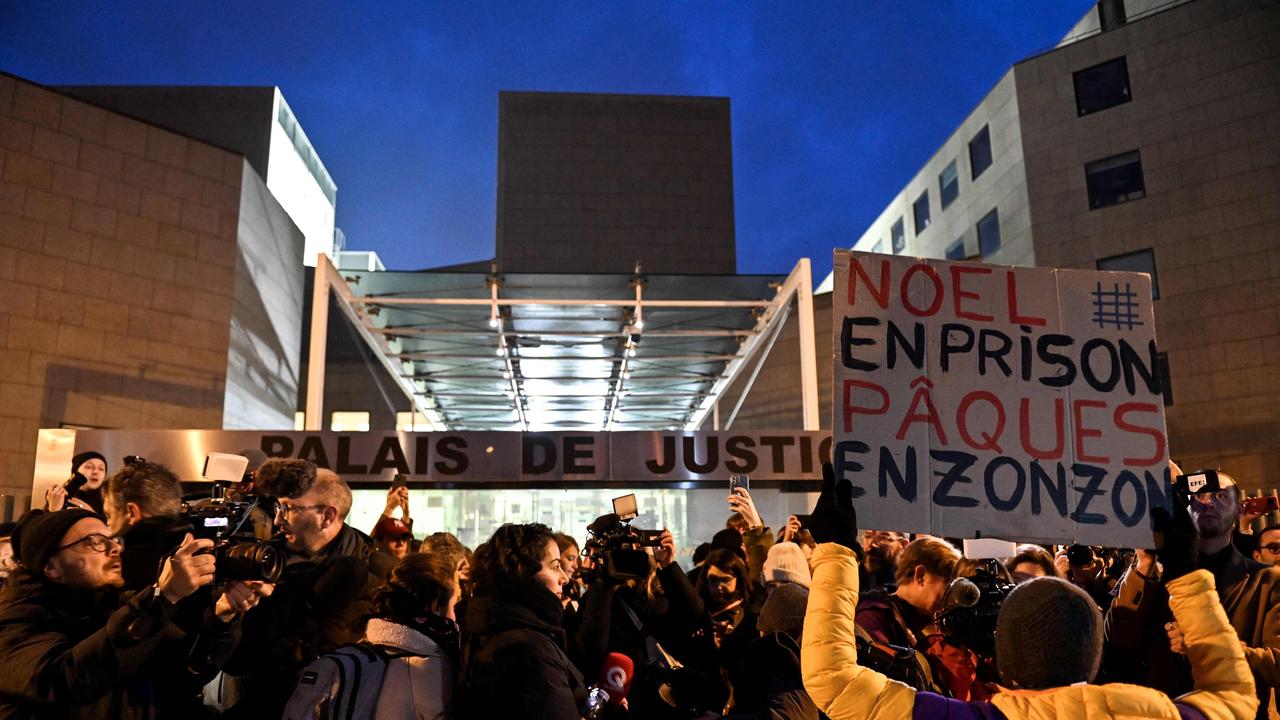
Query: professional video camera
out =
(240, 555)
(971, 607)
(616, 549)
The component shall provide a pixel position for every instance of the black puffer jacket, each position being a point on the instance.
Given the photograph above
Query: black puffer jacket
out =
(515, 665)
(319, 604)
(69, 653)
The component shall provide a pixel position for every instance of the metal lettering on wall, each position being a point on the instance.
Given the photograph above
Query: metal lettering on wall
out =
(466, 457)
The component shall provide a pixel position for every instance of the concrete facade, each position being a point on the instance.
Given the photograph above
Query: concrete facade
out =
(119, 246)
(595, 183)
(1205, 120)
(255, 122)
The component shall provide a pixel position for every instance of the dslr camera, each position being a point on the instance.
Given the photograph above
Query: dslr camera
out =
(615, 548)
(971, 607)
(239, 554)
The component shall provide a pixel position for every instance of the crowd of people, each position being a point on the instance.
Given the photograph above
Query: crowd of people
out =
(116, 605)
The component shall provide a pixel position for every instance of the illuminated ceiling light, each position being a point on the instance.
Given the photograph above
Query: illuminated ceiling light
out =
(502, 351)
(493, 321)
(506, 374)
(631, 352)
(626, 375)
(639, 323)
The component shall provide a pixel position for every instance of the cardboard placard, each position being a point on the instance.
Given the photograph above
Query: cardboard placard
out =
(978, 400)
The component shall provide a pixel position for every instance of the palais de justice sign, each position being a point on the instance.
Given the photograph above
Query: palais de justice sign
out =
(979, 400)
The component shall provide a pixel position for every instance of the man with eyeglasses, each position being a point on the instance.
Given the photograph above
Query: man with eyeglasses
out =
(1249, 591)
(324, 595)
(71, 644)
(1268, 550)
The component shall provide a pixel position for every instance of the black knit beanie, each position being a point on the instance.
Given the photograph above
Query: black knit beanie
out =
(85, 457)
(784, 610)
(1049, 634)
(39, 534)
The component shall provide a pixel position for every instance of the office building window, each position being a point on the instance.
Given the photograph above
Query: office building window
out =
(948, 185)
(299, 421)
(1143, 261)
(1114, 180)
(956, 250)
(920, 212)
(878, 247)
(346, 421)
(898, 237)
(989, 233)
(1102, 86)
(1166, 383)
(980, 151)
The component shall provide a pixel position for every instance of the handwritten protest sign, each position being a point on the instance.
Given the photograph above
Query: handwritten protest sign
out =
(977, 400)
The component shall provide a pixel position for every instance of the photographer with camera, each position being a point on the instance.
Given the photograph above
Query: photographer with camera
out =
(635, 605)
(84, 488)
(1140, 627)
(73, 644)
(1049, 640)
(899, 615)
(324, 594)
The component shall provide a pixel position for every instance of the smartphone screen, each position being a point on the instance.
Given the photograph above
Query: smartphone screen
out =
(739, 481)
(1259, 505)
(400, 480)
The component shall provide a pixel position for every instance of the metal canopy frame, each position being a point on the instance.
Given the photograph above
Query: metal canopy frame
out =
(544, 352)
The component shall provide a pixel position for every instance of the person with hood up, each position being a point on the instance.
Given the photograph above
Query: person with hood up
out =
(1048, 640)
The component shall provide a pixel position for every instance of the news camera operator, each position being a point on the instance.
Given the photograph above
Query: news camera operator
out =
(636, 603)
(84, 488)
(1140, 627)
(1049, 640)
(73, 645)
(323, 596)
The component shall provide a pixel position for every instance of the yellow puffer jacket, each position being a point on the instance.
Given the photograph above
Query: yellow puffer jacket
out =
(846, 691)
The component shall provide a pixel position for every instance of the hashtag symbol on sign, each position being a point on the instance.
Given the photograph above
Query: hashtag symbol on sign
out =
(1115, 307)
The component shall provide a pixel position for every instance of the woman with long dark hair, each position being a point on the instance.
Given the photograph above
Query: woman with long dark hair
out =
(515, 663)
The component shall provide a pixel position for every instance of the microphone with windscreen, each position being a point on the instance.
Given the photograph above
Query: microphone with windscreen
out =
(616, 676)
(962, 593)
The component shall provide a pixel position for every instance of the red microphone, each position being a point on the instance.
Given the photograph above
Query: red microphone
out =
(616, 676)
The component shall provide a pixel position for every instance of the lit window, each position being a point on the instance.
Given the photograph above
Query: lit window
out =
(980, 152)
(1102, 86)
(410, 421)
(989, 233)
(898, 236)
(920, 212)
(1115, 180)
(349, 422)
(1143, 261)
(956, 250)
(299, 421)
(948, 185)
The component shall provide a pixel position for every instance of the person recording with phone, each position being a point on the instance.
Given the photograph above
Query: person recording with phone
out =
(1139, 619)
(83, 489)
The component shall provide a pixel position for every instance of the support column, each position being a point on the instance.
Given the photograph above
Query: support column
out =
(808, 347)
(314, 415)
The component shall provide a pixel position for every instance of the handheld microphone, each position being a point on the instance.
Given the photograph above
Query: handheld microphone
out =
(964, 593)
(616, 676)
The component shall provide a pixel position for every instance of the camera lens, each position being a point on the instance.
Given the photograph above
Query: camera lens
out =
(250, 561)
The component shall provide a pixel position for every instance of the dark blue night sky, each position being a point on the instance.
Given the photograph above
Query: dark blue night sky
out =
(835, 104)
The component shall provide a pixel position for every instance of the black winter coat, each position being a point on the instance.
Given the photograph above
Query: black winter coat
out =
(320, 603)
(515, 666)
(767, 684)
(68, 653)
